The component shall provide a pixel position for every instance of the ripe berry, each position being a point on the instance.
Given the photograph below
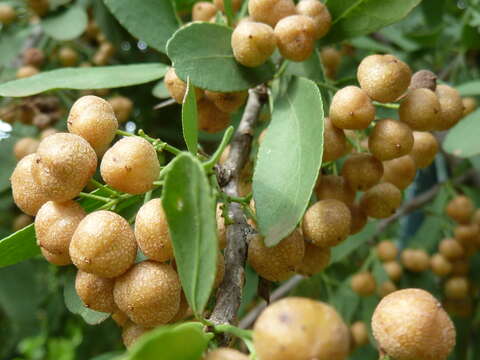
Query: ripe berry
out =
(440, 265)
(93, 118)
(363, 283)
(469, 105)
(295, 37)
(270, 11)
(451, 249)
(415, 260)
(460, 209)
(316, 259)
(67, 56)
(331, 59)
(103, 244)
(466, 234)
(149, 293)
(7, 14)
(460, 267)
(131, 165)
(25, 146)
(411, 324)
(381, 201)
(387, 250)
(319, 14)
(384, 77)
(27, 194)
(456, 288)
(225, 354)
(56, 259)
(183, 310)
(236, 4)
(400, 171)
(26, 72)
(151, 232)
(327, 223)
(386, 288)
(298, 328)
(351, 109)
(210, 118)
(131, 333)
(425, 147)
(177, 87)
(334, 141)
(362, 171)
(276, 263)
(451, 106)
(423, 79)
(122, 107)
(33, 57)
(359, 333)
(393, 269)
(359, 218)
(334, 187)
(228, 102)
(55, 224)
(420, 109)
(96, 292)
(390, 139)
(253, 43)
(64, 163)
(203, 11)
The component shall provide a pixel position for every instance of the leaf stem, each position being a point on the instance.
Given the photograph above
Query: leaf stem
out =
(124, 133)
(326, 85)
(148, 195)
(99, 185)
(369, 260)
(230, 329)
(94, 197)
(387, 105)
(227, 136)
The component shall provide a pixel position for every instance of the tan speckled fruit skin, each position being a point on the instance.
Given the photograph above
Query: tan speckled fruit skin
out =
(415, 260)
(469, 105)
(411, 324)
(359, 333)
(151, 231)
(59, 260)
(314, 261)
(210, 118)
(295, 37)
(451, 249)
(253, 43)
(363, 283)
(352, 109)
(387, 250)
(28, 196)
(466, 235)
(93, 118)
(362, 171)
(236, 4)
(451, 106)
(177, 87)
(300, 329)
(103, 244)
(319, 14)
(359, 218)
(400, 171)
(460, 209)
(228, 102)
(122, 107)
(334, 141)
(327, 223)
(393, 269)
(456, 288)
(381, 201)
(276, 263)
(120, 318)
(182, 310)
(55, 224)
(270, 11)
(420, 109)
(64, 163)
(390, 139)
(440, 265)
(203, 11)
(334, 187)
(149, 293)
(7, 14)
(131, 333)
(130, 165)
(225, 354)
(95, 292)
(425, 147)
(24, 147)
(383, 77)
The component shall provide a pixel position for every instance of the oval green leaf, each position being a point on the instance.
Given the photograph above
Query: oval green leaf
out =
(18, 247)
(190, 210)
(182, 342)
(75, 305)
(352, 18)
(462, 139)
(66, 24)
(289, 160)
(84, 79)
(202, 52)
(189, 119)
(152, 21)
(470, 88)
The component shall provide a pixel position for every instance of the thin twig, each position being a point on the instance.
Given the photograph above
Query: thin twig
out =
(229, 294)
(164, 104)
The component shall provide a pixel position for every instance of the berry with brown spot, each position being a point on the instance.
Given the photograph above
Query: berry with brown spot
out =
(316, 259)
(319, 14)
(96, 292)
(362, 171)
(425, 147)
(451, 106)
(295, 36)
(400, 171)
(390, 139)
(270, 11)
(351, 108)
(381, 201)
(253, 43)
(363, 283)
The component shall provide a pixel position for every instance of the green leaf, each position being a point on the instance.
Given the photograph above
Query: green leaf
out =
(18, 247)
(470, 88)
(289, 160)
(189, 119)
(11, 42)
(152, 21)
(462, 139)
(345, 301)
(379, 272)
(66, 24)
(227, 4)
(75, 305)
(190, 210)
(353, 242)
(182, 342)
(160, 91)
(202, 51)
(352, 18)
(108, 24)
(84, 79)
